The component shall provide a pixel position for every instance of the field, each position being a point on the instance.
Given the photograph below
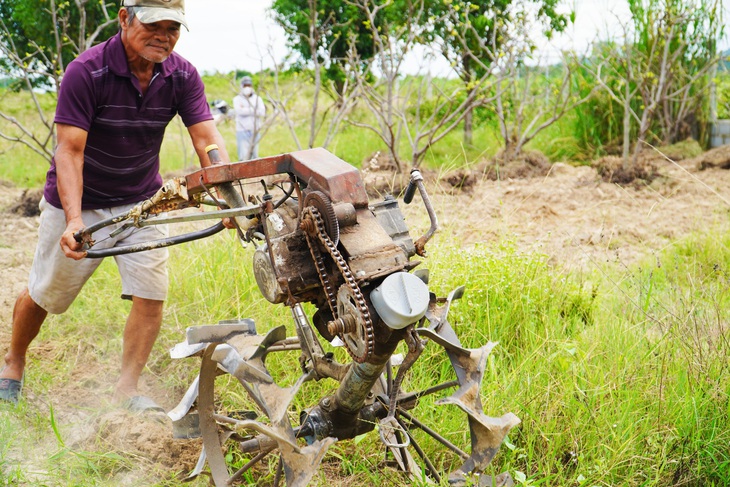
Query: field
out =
(609, 303)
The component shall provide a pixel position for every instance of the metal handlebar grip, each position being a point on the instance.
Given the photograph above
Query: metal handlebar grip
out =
(410, 192)
(213, 154)
(412, 186)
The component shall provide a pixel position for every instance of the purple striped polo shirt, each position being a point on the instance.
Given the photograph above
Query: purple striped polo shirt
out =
(125, 129)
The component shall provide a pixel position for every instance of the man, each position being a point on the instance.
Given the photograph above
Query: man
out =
(249, 111)
(114, 103)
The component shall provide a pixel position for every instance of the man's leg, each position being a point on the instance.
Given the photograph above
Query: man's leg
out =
(27, 320)
(145, 282)
(242, 145)
(143, 326)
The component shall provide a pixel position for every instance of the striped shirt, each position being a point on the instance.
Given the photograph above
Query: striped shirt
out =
(125, 129)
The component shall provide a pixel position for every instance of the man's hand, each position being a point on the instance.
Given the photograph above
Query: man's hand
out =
(71, 248)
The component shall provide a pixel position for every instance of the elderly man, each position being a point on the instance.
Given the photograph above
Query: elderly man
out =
(114, 103)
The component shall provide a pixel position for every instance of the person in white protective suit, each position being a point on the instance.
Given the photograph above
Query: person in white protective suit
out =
(249, 112)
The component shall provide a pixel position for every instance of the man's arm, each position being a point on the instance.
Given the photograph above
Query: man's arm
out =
(204, 134)
(69, 158)
(242, 106)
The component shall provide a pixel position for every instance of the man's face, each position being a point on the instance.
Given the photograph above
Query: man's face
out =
(153, 42)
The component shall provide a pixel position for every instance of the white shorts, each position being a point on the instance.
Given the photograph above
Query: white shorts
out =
(55, 280)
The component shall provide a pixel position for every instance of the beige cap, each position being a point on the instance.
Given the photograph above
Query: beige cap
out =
(149, 11)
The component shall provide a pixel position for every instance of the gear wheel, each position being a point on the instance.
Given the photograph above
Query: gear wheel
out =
(322, 203)
(359, 338)
(359, 330)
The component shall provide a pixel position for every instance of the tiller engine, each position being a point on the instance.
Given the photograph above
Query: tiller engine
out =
(321, 241)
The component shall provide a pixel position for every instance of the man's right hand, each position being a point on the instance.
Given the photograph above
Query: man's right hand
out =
(71, 248)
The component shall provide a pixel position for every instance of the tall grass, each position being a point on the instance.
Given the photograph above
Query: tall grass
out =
(619, 377)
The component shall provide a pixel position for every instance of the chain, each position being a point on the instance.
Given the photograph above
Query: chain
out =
(366, 321)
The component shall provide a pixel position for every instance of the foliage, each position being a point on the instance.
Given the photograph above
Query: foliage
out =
(34, 52)
(722, 89)
(597, 124)
(491, 21)
(31, 26)
(335, 25)
(657, 76)
(687, 34)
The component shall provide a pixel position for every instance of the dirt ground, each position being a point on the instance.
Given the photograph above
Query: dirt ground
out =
(570, 214)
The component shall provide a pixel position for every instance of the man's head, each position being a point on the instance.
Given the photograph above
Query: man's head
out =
(151, 28)
(246, 86)
(151, 11)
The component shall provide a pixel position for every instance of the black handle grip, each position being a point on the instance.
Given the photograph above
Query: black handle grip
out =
(155, 244)
(410, 192)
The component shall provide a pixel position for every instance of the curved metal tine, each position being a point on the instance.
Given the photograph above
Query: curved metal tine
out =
(208, 426)
(437, 316)
(487, 435)
(300, 466)
(198, 466)
(231, 361)
(210, 422)
(273, 336)
(186, 402)
(469, 370)
(278, 407)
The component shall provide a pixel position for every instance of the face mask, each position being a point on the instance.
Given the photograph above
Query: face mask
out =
(247, 91)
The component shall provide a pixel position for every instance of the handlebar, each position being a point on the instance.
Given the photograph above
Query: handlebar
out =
(416, 182)
(314, 169)
(154, 244)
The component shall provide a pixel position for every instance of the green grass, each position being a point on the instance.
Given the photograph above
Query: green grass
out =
(620, 377)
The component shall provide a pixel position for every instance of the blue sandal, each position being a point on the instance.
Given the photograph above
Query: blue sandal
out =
(10, 390)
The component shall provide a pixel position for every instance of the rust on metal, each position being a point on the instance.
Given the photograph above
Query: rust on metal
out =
(321, 245)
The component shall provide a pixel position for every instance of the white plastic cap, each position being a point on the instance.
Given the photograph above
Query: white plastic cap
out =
(400, 300)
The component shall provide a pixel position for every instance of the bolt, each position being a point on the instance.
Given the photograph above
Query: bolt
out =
(335, 327)
(326, 403)
(346, 324)
(307, 226)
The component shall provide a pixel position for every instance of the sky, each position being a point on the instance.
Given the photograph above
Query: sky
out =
(226, 35)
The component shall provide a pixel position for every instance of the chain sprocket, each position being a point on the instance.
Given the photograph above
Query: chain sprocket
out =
(359, 342)
(327, 212)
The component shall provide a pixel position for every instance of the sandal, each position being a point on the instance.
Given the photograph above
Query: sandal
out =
(10, 390)
(142, 404)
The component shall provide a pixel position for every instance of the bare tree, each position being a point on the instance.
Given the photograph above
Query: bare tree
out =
(659, 74)
(530, 99)
(417, 107)
(38, 62)
(342, 99)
